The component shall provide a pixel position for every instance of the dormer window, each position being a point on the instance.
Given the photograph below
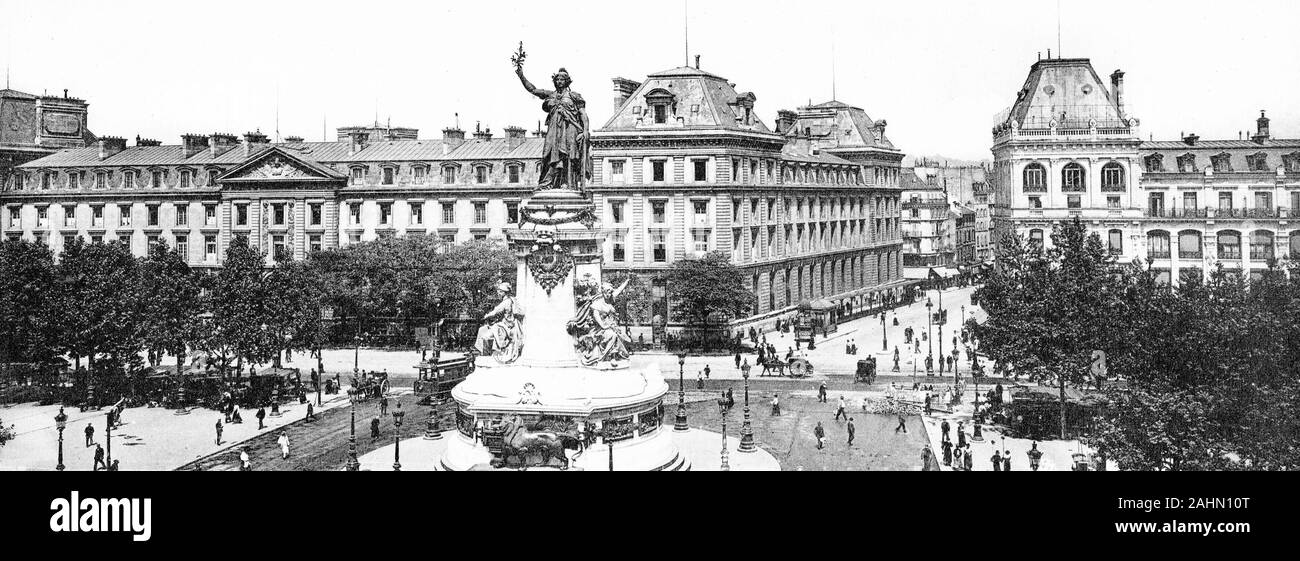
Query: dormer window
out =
(661, 114)
(448, 175)
(1154, 162)
(389, 175)
(1257, 162)
(358, 175)
(187, 178)
(213, 174)
(74, 180)
(481, 175)
(418, 173)
(1221, 162)
(101, 180)
(1291, 162)
(513, 173)
(128, 179)
(1187, 163)
(660, 102)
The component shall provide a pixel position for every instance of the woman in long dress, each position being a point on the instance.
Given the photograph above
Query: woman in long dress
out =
(566, 154)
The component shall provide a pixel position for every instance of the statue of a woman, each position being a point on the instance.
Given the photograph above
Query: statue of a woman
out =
(566, 154)
(595, 328)
(503, 338)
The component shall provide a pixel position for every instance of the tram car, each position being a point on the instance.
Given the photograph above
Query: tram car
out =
(439, 375)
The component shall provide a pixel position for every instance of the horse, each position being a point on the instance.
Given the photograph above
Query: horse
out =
(519, 440)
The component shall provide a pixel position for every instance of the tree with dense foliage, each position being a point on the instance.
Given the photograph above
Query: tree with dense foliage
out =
(707, 287)
(634, 303)
(171, 305)
(27, 329)
(99, 306)
(241, 309)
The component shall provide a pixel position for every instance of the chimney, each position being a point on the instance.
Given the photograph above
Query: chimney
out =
(482, 134)
(220, 143)
(878, 129)
(453, 136)
(251, 139)
(623, 89)
(1261, 128)
(358, 141)
(293, 139)
(1190, 139)
(193, 144)
(110, 145)
(697, 62)
(785, 120)
(1117, 88)
(146, 141)
(514, 137)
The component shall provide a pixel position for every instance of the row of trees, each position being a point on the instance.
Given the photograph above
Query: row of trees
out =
(1211, 368)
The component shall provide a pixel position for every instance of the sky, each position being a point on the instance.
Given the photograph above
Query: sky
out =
(937, 70)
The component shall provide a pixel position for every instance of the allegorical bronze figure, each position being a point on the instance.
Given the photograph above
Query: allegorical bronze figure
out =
(566, 155)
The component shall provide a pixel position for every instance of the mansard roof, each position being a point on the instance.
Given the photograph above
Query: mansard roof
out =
(1066, 90)
(835, 125)
(699, 100)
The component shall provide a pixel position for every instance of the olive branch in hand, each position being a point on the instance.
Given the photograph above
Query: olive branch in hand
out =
(517, 59)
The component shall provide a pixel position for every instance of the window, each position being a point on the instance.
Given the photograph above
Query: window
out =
(616, 215)
(1261, 245)
(1034, 202)
(15, 217)
(1225, 201)
(1229, 245)
(124, 215)
(1295, 244)
(661, 114)
(278, 214)
(152, 215)
(1072, 178)
(480, 213)
(128, 180)
(46, 179)
(701, 209)
(183, 246)
(187, 178)
(418, 173)
(481, 175)
(316, 213)
(916, 213)
(1112, 177)
(241, 214)
(1036, 240)
(156, 179)
(702, 170)
(358, 175)
(354, 214)
(1291, 162)
(279, 250)
(386, 214)
(182, 215)
(1156, 204)
(660, 244)
(209, 247)
(1115, 241)
(1221, 162)
(448, 238)
(417, 213)
(657, 170)
(213, 174)
(97, 216)
(69, 216)
(1187, 163)
(314, 243)
(512, 213)
(448, 175)
(1263, 201)
(449, 213)
(388, 174)
(1295, 203)
(1073, 201)
(1189, 201)
(1158, 245)
(209, 215)
(354, 237)
(701, 238)
(657, 211)
(616, 170)
(1112, 202)
(101, 180)
(151, 241)
(1154, 162)
(512, 173)
(1189, 244)
(74, 180)
(1257, 162)
(620, 246)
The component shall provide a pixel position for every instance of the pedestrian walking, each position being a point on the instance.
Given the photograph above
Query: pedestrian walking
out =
(961, 434)
(90, 435)
(261, 418)
(219, 428)
(706, 372)
(967, 461)
(997, 460)
(1006, 460)
(947, 452)
(115, 466)
(820, 433)
(839, 410)
(283, 441)
(383, 406)
(699, 380)
(902, 424)
(776, 406)
(99, 457)
(374, 428)
(821, 393)
(244, 463)
(311, 416)
(737, 360)
(851, 431)
(957, 458)
(943, 430)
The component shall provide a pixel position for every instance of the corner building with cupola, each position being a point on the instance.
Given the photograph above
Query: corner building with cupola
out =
(1067, 148)
(808, 210)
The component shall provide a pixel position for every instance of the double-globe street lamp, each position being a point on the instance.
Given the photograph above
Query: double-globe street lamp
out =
(397, 436)
(746, 430)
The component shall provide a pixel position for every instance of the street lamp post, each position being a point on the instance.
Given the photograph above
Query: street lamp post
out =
(397, 436)
(941, 331)
(108, 436)
(884, 333)
(746, 430)
(679, 424)
(60, 421)
(929, 332)
(723, 408)
(356, 356)
(353, 464)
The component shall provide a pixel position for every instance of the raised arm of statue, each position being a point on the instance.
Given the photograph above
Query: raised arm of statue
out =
(620, 288)
(544, 94)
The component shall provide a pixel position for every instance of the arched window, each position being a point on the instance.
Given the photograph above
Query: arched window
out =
(1189, 244)
(1229, 244)
(1295, 244)
(1112, 177)
(1158, 244)
(1261, 245)
(1072, 178)
(1035, 178)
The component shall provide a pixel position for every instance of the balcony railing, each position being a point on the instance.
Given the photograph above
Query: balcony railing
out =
(1158, 254)
(1213, 212)
(1182, 254)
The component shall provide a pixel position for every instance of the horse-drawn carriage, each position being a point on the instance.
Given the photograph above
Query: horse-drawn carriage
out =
(796, 367)
(439, 375)
(866, 372)
(370, 385)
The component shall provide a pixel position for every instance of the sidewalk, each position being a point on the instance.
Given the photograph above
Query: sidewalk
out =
(1056, 453)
